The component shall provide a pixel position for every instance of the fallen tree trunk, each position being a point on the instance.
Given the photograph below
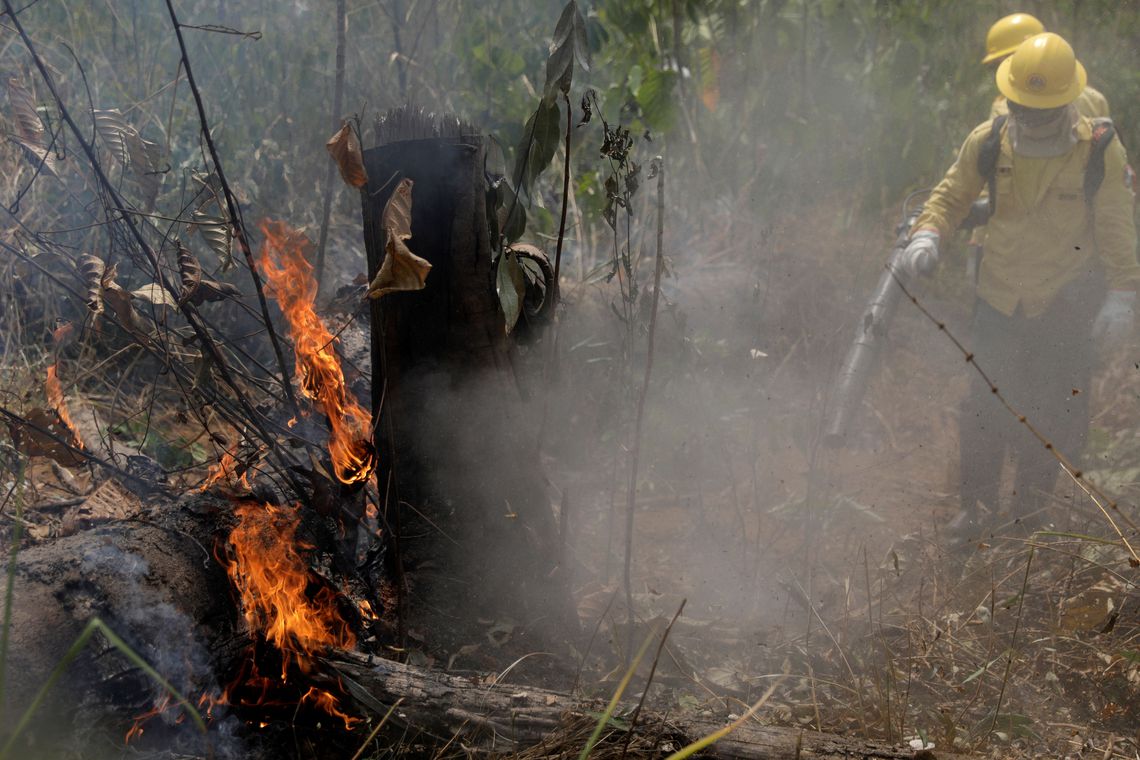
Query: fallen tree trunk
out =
(511, 718)
(152, 578)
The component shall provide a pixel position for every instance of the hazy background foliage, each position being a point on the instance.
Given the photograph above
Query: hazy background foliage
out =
(784, 101)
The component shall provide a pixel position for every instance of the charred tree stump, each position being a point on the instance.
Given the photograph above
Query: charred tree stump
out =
(455, 441)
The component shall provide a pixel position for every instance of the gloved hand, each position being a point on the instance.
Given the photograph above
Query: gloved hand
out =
(1114, 322)
(921, 253)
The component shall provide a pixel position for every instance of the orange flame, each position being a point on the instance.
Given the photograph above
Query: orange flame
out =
(318, 368)
(136, 729)
(225, 471)
(55, 399)
(272, 579)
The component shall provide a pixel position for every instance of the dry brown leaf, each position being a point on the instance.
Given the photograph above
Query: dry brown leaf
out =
(345, 150)
(218, 233)
(29, 128)
(155, 294)
(34, 440)
(212, 290)
(401, 270)
(189, 270)
(93, 271)
(397, 217)
(107, 502)
(120, 302)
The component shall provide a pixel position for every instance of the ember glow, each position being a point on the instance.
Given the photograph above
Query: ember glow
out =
(54, 392)
(318, 369)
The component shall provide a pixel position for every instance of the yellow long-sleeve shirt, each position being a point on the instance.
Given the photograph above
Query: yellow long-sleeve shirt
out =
(1090, 103)
(1042, 235)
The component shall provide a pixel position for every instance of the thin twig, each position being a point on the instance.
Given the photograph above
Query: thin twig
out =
(635, 449)
(1012, 641)
(330, 172)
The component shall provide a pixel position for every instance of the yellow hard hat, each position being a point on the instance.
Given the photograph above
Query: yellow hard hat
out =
(1009, 32)
(1042, 73)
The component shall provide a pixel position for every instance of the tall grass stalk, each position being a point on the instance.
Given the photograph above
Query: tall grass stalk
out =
(13, 556)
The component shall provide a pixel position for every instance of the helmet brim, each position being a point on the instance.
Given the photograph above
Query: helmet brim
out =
(997, 55)
(1038, 100)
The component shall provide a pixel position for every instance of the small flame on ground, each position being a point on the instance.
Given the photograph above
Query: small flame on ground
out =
(329, 703)
(318, 368)
(225, 471)
(136, 729)
(54, 392)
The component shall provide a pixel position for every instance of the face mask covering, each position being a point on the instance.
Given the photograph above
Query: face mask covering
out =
(1042, 132)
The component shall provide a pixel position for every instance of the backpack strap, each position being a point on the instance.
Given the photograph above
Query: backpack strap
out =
(988, 158)
(1103, 131)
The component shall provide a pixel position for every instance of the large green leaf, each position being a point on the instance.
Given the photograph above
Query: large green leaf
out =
(655, 96)
(539, 142)
(569, 46)
(510, 284)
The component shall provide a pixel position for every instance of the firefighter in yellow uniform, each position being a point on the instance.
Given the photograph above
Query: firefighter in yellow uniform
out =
(1001, 40)
(1059, 274)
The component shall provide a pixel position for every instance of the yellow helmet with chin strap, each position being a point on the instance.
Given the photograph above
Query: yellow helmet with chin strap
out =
(1009, 32)
(1042, 73)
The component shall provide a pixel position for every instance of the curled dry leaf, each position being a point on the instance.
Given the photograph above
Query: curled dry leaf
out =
(189, 270)
(92, 269)
(120, 302)
(44, 434)
(132, 151)
(29, 128)
(155, 294)
(212, 290)
(345, 150)
(401, 269)
(218, 234)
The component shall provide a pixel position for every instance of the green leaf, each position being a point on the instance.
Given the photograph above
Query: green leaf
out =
(510, 284)
(569, 46)
(655, 96)
(509, 214)
(539, 142)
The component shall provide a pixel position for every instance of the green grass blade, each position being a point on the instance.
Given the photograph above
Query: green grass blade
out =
(602, 721)
(706, 741)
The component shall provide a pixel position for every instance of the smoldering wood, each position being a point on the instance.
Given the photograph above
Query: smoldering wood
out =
(508, 718)
(455, 439)
(151, 576)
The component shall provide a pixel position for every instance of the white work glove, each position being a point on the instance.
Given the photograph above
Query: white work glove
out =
(1113, 324)
(921, 253)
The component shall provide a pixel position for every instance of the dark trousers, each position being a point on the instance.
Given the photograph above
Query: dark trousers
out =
(1042, 366)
